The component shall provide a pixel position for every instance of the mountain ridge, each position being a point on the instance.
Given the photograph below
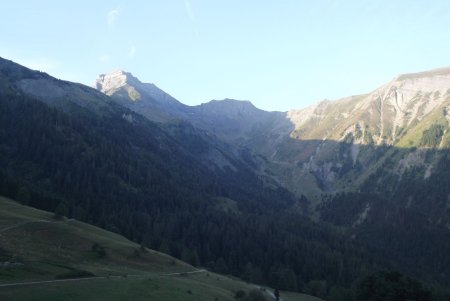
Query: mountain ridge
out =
(176, 180)
(394, 114)
(153, 183)
(129, 78)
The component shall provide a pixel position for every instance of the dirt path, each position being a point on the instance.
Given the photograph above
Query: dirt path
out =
(96, 277)
(23, 223)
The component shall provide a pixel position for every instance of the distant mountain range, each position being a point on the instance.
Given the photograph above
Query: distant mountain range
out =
(304, 147)
(328, 193)
(386, 151)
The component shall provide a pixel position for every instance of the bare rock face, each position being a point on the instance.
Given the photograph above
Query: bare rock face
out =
(110, 82)
(383, 114)
(116, 81)
(143, 98)
(354, 135)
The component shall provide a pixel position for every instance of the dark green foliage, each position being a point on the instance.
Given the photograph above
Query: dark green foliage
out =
(255, 295)
(349, 138)
(240, 295)
(391, 286)
(408, 217)
(135, 254)
(99, 250)
(61, 210)
(317, 288)
(276, 293)
(142, 249)
(338, 293)
(252, 274)
(432, 136)
(344, 209)
(190, 256)
(368, 138)
(358, 132)
(23, 195)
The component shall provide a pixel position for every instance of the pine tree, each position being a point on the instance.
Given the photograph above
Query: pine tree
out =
(61, 210)
(277, 294)
(23, 196)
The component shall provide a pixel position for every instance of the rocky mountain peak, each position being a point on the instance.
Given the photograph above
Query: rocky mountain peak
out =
(143, 98)
(110, 82)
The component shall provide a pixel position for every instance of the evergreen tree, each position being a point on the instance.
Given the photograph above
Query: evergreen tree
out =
(277, 294)
(61, 210)
(23, 196)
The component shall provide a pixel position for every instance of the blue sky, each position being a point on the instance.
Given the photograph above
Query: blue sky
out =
(277, 54)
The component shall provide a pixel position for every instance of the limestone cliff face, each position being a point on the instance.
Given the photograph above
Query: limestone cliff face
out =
(111, 82)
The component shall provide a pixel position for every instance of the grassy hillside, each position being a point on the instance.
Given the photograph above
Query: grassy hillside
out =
(151, 287)
(34, 246)
(38, 246)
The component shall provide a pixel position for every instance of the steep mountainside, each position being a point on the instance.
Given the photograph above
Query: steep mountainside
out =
(370, 164)
(388, 151)
(148, 99)
(329, 147)
(194, 126)
(231, 120)
(207, 183)
(409, 112)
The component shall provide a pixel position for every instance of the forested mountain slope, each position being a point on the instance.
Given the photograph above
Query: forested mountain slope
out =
(371, 164)
(69, 148)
